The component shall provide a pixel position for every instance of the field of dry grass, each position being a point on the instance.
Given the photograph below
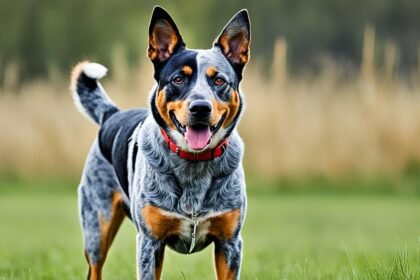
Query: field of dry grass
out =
(330, 124)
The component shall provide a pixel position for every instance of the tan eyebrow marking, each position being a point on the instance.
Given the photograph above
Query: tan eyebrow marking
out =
(187, 70)
(211, 71)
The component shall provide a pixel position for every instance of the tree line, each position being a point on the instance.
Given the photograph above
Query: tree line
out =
(36, 34)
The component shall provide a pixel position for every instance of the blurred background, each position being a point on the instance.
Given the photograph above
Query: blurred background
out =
(331, 128)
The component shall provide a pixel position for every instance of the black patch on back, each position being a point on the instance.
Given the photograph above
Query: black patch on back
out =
(109, 113)
(114, 138)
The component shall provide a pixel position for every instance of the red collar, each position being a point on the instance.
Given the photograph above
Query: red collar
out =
(201, 156)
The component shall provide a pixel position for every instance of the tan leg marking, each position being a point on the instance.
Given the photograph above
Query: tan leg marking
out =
(159, 266)
(108, 231)
(95, 270)
(109, 228)
(223, 272)
(161, 225)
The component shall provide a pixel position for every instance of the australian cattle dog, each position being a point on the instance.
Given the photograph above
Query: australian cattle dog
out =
(175, 168)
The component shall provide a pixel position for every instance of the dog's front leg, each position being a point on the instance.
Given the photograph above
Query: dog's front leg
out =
(150, 253)
(227, 258)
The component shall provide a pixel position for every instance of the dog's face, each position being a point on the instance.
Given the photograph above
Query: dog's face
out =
(197, 100)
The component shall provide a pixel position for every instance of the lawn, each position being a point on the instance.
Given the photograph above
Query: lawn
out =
(287, 236)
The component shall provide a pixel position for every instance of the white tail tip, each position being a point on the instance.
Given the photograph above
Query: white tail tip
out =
(94, 70)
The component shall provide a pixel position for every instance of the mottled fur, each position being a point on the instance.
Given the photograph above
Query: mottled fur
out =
(130, 168)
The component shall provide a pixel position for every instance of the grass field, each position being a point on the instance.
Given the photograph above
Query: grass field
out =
(287, 236)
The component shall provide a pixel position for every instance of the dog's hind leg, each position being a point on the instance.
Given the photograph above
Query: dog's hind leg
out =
(101, 208)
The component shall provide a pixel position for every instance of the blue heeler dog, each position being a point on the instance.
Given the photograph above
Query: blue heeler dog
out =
(175, 168)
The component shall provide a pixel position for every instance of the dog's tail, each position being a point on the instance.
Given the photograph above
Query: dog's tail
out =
(88, 94)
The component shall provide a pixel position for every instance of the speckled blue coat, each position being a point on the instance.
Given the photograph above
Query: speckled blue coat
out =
(130, 171)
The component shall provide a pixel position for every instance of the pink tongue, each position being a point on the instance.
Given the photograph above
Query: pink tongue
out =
(197, 139)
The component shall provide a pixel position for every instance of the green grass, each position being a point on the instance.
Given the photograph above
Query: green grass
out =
(287, 236)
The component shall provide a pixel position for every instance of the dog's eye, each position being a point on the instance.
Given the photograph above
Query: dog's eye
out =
(178, 80)
(219, 82)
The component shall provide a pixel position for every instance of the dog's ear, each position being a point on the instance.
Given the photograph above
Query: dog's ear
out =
(235, 39)
(164, 37)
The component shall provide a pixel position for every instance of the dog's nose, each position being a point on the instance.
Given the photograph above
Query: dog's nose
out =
(200, 108)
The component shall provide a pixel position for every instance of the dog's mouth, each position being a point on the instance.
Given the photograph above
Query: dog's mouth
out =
(199, 135)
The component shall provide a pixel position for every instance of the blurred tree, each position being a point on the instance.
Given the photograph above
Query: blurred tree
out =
(39, 33)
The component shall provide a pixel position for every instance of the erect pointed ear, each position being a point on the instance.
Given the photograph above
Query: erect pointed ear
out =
(235, 39)
(164, 37)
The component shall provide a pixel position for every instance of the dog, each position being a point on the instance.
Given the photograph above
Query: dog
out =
(175, 168)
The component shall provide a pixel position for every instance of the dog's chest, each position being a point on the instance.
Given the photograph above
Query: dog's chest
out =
(190, 234)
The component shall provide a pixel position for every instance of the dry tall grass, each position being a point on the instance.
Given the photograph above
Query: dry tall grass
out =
(327, 124)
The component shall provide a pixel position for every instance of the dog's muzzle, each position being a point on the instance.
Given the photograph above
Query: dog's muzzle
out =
(200, 109)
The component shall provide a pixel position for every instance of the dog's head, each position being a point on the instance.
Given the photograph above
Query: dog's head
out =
(197, 101)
